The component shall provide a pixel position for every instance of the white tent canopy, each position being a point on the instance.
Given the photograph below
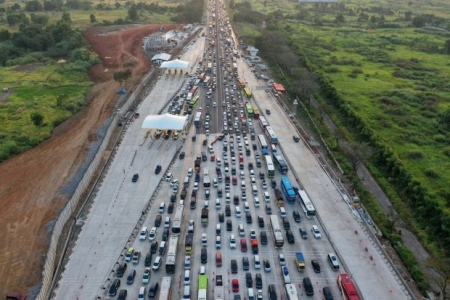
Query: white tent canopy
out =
(161, 56)
(166, 121)
(175, 64)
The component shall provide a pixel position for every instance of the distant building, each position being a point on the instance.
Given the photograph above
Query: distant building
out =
(158, 59)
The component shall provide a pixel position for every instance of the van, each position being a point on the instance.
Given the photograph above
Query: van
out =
(187, 292)
(238, 212)
(266, 197)
(187, 277)
(257, 203)
(141, 295)
(282, 212)
(217, 203)
(190, 172)
(246, 207)
(251, 294)
(218, 259)
(204, 256)
(243, 185)
(218, 242)
(241, 230)
(186, 182)
(143, 234)
(167, 222)
(158, 219)
(332, 260)
(254, 190)
(218, 231)
(257, 262)
(162, 248)
(308, 286)
(215, 183)
(227, 197)
(161, 207)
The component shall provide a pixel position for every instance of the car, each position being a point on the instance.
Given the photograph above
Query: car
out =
(148, 259)
(235, 285)
(286, 224)
(158, 169)
(122, 294)
(153, 290)
(290, 237)
(169, 177)
(296, 138)
(316, 266)
(296, 215)
(234, 267)
(248, 279)
(258, 281)
(121, 269)
(326, 292)
(135, 177)
(316, 232)
(285, 274)
(268, 210)
(129, 254)
(232, 242)
(266, 264)
(252, 234)
(146, 276)
(154, 247)
(165, 234)
(263, 237)
(303, 233)
(131, 276)
(170, 208)
(114, 287)
(268, 111)
(282, 259)
(264, 185)
(187, 262)
(272, 292)
(204, 240)
(157, 263)
(136, 257)
(152, 234)
(259, 295)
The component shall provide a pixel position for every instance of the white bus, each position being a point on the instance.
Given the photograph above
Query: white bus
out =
(206, 81)
(176, 227)
(262, 141)
(172, 255)
(271, 135)
(189, 97)
(306, 204)
(263, 122)
(291, 292)
(276, 230)
(209, 69)
(164, 294)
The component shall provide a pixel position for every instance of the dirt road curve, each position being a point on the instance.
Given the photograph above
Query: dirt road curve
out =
(30, 183)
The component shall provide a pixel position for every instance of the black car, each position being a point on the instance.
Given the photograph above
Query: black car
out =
(204, 158)
(227, 210)
(326, 292)
(258, 281)
(255, 147)
(154, 247)
(261, 222)
(268, 111)
(248, 279)
(158, 169)
(122, 295)
(303, 233)
(248, 218)
(286, 224)
(236, 200)
(316, 266)
(197, 177)
(229, 225)
(131, 276)
(245, 263)
(241, 166)
(234, 267)
(121, 269)
(114, 287)
(182, 154)
(233, 171)
(173, 197)
(148, 259)
(153, 290)
(272, 292)
(296, 138)
(268, 210)
(290, 237)
(221, 217)
(219, 193)
(165, 234)
(135, 177)
(297, 217)
(170, 208)
(193, 204)
(263, 237)
(273, 183)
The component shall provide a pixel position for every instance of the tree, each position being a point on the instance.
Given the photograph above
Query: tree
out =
(37, 119)
(5, 35)
(39, 19)
(340, 18)
(117, 5)
(408, 15)
(33, 6)
(447, 47)
(15, 7)
(122, 77)
(231, 4)
(357, 153)
(66, 17)
(93, 19)
(133, 13)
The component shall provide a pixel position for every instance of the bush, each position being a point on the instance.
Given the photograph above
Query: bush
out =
(415, 154)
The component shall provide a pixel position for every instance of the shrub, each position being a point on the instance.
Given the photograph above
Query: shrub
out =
(415, 154)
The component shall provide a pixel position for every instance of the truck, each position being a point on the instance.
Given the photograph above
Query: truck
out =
(202, 287)
(197, 162)
(279, 198)
(254, 243)
(299, 261)
(205, 213)
(188, 243)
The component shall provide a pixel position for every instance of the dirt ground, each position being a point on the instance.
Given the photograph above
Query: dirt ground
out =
(30, 183)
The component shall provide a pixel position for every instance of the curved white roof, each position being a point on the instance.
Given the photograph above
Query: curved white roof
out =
(175, 64)
(166, 121)
(162, 56)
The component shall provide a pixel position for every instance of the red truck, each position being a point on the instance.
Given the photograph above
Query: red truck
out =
(16, 296)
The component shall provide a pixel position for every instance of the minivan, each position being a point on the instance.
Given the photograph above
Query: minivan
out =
(251, 294)
(167, 222)
(204, 256)
(229, 225)
(141, 295)
(218, 242)
(308, 286)
(143, 234)
(162, 248)
(332, 260)
(218, 231)
(282, 212)
(187, 277)
(241, 230)
(187, 292)
(242, 185)
(257, 262)
(158, 220)
(238, 212)
(254, 190)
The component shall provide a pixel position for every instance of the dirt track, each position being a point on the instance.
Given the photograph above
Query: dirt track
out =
(30, 182)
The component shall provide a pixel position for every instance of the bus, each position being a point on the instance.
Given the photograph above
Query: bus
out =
(248, 93)
(263, 122)
(262, 141)
(291, 292)
(193, 103)
(287, 189)
(306, 204)
(270, 167)
(249, 109)
(194, 90)
(209, 68)
(178, 219)
(241, 83)
(347, 287)
(189, 97)
(255, 112)
(280, 162)
(197, 82)
(202, 287)
(276, 230)
(206, 81)
(271, 135)
(164, 293)
(171, 259)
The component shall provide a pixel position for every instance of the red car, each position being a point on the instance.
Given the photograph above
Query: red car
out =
(235, 285)
(243, 245)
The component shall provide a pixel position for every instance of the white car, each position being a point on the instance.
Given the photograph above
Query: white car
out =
(232, 242)
(316, 232)
(281, 259)
(196, 186)
(146, 276)
(152, 234)
(168, 176)
(204, 240)
(156, 263)
(252, 234)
